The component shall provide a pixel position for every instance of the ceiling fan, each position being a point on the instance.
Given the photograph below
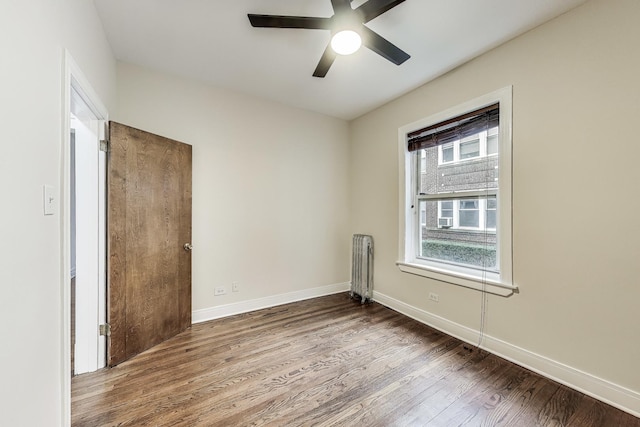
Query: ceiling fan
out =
(346, 23)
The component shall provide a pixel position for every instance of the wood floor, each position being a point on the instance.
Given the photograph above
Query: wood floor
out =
(73, 325)
(326, 362)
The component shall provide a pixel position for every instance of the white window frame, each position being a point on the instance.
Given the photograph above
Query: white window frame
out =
(500, 283)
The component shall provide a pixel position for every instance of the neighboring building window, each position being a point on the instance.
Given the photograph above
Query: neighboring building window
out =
(446, 210)
(469, 214)
(492, 141)
(465, 214)
(457, 186)
(446, 153)
(491, 217)
(476, 146)
(470, 149)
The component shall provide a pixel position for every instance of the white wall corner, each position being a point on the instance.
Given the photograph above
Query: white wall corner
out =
(598, 388)
(217, 312)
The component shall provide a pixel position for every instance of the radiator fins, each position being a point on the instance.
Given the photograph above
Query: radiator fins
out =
(362, 268)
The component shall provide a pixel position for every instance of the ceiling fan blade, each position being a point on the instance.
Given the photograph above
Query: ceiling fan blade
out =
(383, 47)
(340, 5)
(374, 8)
(276, 21)
(325, 62)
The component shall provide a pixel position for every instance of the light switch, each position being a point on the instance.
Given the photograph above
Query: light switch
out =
(50, 201)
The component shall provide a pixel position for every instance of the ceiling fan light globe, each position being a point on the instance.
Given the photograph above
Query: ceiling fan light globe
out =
(346, 42)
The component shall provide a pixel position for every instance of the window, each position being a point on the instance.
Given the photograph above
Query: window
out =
(491, 218)
(446, 155)
(474, 147)
(470, 214)
(456, 186)
(446, 211)
(470, 149)
(492, 141)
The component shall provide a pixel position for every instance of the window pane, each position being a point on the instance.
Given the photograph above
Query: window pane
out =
(492, 144)
(446, 209)
(469, 219)
(434, 177)
(491, 213)
(469, 149)
(427, 179)
(469, 213)
(452, 245)
(445, 219)
(491, 219)
(447, 153)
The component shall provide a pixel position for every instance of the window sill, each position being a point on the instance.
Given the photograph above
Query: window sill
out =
(459, 278)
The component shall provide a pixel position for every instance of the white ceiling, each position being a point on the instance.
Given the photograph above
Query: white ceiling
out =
(212, 41)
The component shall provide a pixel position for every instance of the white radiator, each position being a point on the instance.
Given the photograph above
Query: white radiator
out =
(362, 267)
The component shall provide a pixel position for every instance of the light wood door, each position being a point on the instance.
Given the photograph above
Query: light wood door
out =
(149, 222)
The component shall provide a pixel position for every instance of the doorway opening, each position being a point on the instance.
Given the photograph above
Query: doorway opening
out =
(87, 236)
(79, 100)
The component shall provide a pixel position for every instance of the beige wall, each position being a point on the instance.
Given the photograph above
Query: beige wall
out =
(576, 233)
(270, 190)
(33, 35)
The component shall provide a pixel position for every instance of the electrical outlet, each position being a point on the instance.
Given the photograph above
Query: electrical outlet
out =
(434, 297)
(235, 287)
(220, 290)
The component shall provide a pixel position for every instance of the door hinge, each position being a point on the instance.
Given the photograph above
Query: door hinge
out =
(105, 329)
(104, 145)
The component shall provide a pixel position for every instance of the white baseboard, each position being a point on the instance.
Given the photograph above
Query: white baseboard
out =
(608, 392)
(205, 314)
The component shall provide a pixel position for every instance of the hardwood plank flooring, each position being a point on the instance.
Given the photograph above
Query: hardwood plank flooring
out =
(326, 362)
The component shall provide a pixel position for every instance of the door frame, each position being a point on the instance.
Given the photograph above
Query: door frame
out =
(89, 223)
(72, 77)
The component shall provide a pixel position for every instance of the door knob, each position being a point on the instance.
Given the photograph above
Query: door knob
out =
(188, 247)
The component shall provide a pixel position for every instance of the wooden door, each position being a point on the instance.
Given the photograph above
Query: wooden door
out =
(148, 223)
